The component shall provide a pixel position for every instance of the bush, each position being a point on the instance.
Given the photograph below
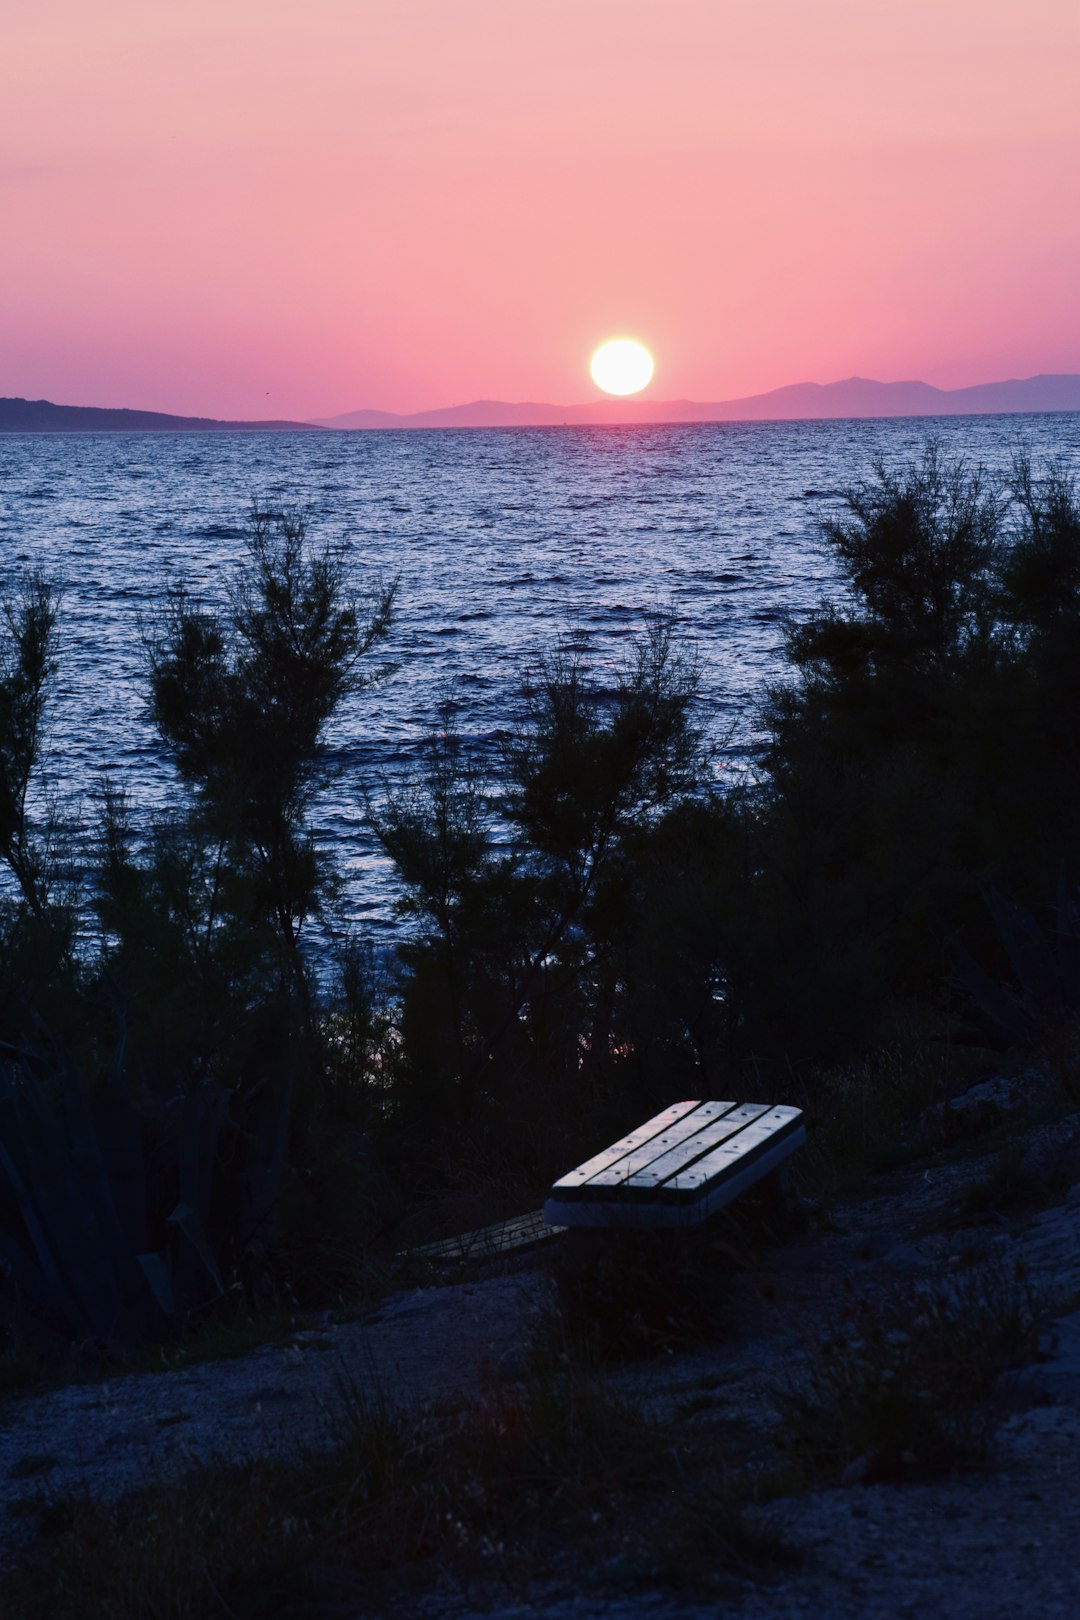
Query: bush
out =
(141, 1174)
(513, 1001)
(904, 1387)
(904, 754)
(519, 1488)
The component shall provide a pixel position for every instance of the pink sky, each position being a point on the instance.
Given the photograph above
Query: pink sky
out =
(298, 207)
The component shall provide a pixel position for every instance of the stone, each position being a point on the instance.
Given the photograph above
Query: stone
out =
(893, 1252)
(513, 1367)
(985, 1106)
(904, 1257)
(856, 1471)
(1052, 1157)
(1056, 1376)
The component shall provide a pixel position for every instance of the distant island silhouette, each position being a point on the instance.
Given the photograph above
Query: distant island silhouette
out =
(854, 397)
(42, 416)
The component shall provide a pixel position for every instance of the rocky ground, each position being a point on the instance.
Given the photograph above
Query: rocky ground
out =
(995, 1187)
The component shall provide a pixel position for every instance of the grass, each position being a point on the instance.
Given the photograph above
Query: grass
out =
(905, 1387)
(632, 1293)
(864, 1116)
(1000, 1186)
(33, 1465)
(231, 1329)
(550, 1481)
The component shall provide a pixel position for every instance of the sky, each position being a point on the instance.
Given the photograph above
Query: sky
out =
(292, 208)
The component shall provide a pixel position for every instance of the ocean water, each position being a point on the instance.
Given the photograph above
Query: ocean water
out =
(503, 542)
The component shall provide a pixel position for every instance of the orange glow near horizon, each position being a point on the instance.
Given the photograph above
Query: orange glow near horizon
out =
(301, 207)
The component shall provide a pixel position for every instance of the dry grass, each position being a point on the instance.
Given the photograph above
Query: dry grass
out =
(550, 1478)
(905, 1386)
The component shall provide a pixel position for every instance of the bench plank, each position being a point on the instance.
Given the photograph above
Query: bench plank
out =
(676, 1171)
(640, 1160)
(669, 1164)
(750, 1144)
(618, 1150)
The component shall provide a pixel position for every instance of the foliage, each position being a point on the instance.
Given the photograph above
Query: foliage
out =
(590, 926)
(904, 1386)
(241, 699)
(136, 1183)
(903, 751)
(594, 931)
(493, 1497)
(1039, 997)
(37, 917)
(511, 997)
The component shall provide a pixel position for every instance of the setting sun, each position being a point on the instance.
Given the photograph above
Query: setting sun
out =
(621, 366)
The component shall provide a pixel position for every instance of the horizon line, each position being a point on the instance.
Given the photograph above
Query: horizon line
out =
(851, 398)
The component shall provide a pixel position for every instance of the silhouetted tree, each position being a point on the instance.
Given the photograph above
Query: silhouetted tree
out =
(148, 1168)
(511, 981)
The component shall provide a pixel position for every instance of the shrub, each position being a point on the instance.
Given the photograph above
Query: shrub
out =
(903, 751)
(904, 1386)
(555, 1480)
(512, 996)
(139, 1175)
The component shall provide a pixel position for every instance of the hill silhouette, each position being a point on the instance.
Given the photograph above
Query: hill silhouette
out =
(42, 416)
(854, 397)
(851, 398)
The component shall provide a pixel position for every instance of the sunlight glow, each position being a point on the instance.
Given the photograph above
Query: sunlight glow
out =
(621, 366)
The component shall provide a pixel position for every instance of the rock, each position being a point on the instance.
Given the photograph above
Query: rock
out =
(1053, 1154)
(984, 1106)
(513, 1365)
(1056, 1377)
(893, 1252)
(856, 1471)
(1049, 1248)
(904, 1257)
(871, 1245)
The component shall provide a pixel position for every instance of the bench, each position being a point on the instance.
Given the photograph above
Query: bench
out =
(679, 1167)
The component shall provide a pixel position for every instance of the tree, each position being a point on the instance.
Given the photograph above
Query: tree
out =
(520, 891)
(242, 700)
(37, 915)
(925, 743)
(137, 1172)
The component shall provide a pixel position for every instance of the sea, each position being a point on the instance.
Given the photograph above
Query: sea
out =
(505, 544)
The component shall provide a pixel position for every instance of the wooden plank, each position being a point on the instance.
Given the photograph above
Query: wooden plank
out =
(487, 1242)
(698, 1188)
(637, 1161)
(618, 1150)
(743, 1175)
(711, 1136)
(736, 1153)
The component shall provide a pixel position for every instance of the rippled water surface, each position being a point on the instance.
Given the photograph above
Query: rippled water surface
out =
(503, 541)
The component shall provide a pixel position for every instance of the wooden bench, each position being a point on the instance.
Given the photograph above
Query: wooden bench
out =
(678, 1168)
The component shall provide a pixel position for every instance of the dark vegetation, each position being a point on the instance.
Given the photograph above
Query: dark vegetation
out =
(193, 1120)
(488, 1499)
(905, 1387)
(206, 1122)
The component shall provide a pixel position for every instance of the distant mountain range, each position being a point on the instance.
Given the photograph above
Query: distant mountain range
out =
(855, 397)
(40, 416)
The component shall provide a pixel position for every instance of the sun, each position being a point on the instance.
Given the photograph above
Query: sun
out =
(621, 366)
